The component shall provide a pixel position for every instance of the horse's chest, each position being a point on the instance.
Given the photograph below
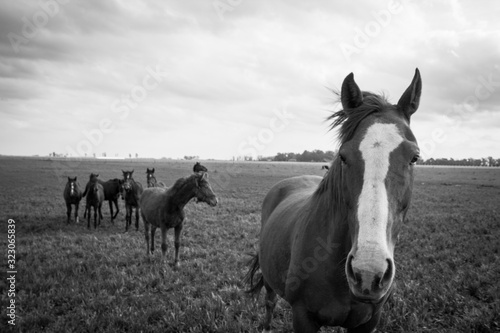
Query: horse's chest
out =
(174, 220)
(344, 315)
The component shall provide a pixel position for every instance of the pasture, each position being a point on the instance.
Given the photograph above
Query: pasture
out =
(71, 279)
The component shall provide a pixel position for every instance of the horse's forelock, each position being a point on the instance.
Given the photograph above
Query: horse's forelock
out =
(347, 120)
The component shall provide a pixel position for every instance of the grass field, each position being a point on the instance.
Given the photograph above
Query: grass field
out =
(70, 279)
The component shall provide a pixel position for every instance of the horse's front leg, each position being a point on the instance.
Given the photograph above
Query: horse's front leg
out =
(137, 218)
(76, 212)
(68, 212)
(127, 217)
(100, 213)
(177, 244)
(95, 217)
(110, 202)
(117, 209)
(87, 208)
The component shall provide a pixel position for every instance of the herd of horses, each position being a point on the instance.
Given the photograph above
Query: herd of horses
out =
(160, 206)
(326, 244)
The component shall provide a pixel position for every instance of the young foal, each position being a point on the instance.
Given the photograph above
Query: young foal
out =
(133, 191)
(327, 243)
(112, 189)
(164, 208)
(151, 179)
(94, 198)
(72, 196)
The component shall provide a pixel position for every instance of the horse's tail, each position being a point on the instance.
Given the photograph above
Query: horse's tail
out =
(254, 282)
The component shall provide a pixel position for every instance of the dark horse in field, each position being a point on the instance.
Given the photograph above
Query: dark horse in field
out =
(112, 190)
(151, 179)
(72, 196)
(94, 198)
(132, 193)
(327, 243)
(164, 208)
(199, 168)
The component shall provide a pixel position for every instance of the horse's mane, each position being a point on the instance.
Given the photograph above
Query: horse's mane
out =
(179, 183)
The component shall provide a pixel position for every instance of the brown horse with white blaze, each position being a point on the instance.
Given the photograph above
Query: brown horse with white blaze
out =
(327, 243)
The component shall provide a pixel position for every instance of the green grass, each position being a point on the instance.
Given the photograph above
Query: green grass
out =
(71, 279)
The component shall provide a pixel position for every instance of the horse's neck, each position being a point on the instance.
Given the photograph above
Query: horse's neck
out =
(181, 196)
(331, 214)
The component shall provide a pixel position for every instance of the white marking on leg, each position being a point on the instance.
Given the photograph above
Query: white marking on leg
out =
(373, 206)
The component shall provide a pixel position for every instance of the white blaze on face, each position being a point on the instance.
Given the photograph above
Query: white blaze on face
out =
(373, 206)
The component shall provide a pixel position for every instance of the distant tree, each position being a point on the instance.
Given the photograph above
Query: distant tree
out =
(136, 155)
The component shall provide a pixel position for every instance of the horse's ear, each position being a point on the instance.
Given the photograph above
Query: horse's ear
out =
(350, 95)
(153, 171)
(76, 178)
(409, 101)
(69, 179)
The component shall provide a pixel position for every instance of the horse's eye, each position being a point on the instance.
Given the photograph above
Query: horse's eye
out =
(414, 159)
(342, 159)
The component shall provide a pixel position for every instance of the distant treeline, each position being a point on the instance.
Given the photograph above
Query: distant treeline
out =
(321, 156)
(307, 156)
(486, 161)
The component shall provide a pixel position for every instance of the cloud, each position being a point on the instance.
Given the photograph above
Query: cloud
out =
(223, 77)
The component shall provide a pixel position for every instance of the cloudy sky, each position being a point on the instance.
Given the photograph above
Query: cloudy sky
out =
(223, 78)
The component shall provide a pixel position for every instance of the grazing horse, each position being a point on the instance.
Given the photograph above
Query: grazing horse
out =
(198, 167)
(327, 243)
(72, 196)
(112, 191)
(164, 208)
(151, 179)
(132, 193)
(94, 198)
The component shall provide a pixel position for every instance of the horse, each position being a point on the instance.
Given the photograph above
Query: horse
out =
(94, 198)
(164, 208)
(72, 196)
(151, 179)
(326, 244)
(112, 191)
(132, 193)
(199, 168)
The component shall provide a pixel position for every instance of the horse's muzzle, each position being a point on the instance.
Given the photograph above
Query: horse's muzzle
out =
(368, 282)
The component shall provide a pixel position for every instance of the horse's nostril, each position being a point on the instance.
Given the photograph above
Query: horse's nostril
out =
(389, 272)
(350, 271)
